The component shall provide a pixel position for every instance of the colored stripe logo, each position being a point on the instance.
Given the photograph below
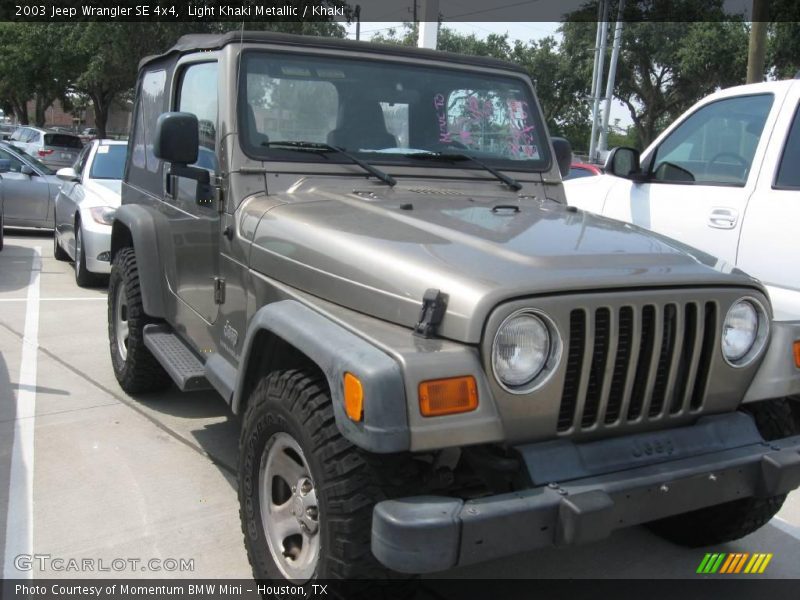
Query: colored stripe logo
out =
(734, 563)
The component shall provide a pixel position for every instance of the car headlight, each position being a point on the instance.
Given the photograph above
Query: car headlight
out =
(743, 332)
(103, 214)
(521, 348)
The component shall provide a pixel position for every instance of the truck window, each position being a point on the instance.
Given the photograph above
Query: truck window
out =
(716, 144)
(144, 169)
(198, 95)
(789, 169)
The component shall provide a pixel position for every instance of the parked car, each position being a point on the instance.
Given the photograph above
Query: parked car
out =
(6, 130)
(29, 189)
(55, 149)
(85, 208)
(88, 134)
(724, 178)
(435, 359)
(579, 169)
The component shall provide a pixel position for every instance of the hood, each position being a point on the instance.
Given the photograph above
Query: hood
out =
(102, 192)
(377, 253)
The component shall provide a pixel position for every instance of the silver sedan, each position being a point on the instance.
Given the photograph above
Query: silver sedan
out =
(28, 189)
(85, 209)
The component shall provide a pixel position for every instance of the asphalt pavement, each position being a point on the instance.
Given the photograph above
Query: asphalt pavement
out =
(88, 473)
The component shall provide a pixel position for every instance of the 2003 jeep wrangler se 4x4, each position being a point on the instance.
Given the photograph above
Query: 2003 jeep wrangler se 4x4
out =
(366, 251)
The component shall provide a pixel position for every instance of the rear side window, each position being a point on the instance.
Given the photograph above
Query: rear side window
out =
(109, 162)
(789, 169)
(145, 169)
(62, 141)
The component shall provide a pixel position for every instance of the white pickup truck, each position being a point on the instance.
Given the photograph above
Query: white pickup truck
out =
(724, 178)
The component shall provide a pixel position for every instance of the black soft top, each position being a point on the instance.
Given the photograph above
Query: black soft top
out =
(209, 41)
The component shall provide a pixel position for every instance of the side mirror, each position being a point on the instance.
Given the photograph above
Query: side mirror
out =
(177, 138)
(177, 141)
(5, 165)
(563, 151)
(27, 170)
(67, 174)
(624, 162)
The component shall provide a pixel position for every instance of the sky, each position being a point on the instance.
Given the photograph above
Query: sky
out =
(525, 32)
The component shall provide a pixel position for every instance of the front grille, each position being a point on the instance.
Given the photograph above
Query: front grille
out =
(632, 363)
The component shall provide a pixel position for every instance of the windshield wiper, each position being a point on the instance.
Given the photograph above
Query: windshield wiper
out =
(323, 147)
(509, 181)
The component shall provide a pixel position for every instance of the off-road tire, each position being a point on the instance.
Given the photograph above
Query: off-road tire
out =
(139, 372)
(83, 277)
(58, 252)
(733, 520)
(348, 481)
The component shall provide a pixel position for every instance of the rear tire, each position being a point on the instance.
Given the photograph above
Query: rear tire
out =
(291, 410)
(83, 277)
(733, 520)
(135, 368)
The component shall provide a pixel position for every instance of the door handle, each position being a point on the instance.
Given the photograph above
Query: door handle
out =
(723, 218)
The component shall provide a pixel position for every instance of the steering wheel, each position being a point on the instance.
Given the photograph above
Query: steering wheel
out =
(735, 157)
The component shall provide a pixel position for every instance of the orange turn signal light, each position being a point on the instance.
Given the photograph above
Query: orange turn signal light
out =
(797, 354)
(353, 397)
(448, 396)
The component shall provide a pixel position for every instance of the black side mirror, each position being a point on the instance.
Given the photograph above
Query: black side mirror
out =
(624, 162)
(177, 138)
(177, 141)
(5, 165)
(563, 151)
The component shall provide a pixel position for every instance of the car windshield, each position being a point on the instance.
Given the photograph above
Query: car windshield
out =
(387, 112)
(109, 162)
(35, 162)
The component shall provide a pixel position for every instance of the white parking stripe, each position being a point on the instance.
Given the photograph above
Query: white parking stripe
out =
(73, 299)
(19, 522)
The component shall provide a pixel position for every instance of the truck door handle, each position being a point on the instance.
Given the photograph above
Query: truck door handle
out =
(723, 218)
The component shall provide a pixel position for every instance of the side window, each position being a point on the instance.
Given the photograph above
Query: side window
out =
(80, 162)
(28, 135)
(789, 169)
(198, 95)
(16, 164)
(145, 169)
(16, 135)
(716, 144)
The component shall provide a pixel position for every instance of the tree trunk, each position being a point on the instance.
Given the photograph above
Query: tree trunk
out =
(102, 106)
(21, 112)
(41, 106)
(758, 42)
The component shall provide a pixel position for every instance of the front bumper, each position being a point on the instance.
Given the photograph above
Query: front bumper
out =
(721, 458)
(96, 244)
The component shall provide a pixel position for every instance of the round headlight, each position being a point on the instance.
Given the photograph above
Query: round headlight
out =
(740, 330)
(521, 348)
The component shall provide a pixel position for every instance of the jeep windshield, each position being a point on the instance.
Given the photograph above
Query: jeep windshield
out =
(387, 112)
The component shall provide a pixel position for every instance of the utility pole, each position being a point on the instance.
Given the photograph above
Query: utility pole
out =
(758, 41)
(429, 26)
(357, 15)
(612, 75)
(600, 58)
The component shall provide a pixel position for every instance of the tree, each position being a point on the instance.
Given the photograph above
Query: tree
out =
(665, 66)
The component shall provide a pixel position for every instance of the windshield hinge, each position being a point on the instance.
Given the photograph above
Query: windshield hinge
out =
(219, 290)
(434, 305)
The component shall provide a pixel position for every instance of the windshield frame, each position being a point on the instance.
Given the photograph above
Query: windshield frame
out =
(392, 160)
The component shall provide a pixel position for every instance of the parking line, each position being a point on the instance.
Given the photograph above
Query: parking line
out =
(19, 518)
(72, 299)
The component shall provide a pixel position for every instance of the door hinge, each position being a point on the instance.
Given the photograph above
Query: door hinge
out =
(434, 305)
(219, 290)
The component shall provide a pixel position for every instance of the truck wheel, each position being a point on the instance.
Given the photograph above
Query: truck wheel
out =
(136, 369)
(733, 520)
(305, 492)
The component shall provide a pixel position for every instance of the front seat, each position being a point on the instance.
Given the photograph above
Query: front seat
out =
(361, 126)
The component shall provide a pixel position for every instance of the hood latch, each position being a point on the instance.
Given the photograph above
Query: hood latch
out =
(434, 305)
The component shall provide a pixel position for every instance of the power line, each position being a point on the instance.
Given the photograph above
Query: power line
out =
(495, 8)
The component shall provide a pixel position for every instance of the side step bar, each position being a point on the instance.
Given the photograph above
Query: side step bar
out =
(182, 364)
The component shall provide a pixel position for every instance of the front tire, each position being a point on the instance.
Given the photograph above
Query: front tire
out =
(58, 252)
(83, 277)
(135, 368)
(733, 520)
(305, 492)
